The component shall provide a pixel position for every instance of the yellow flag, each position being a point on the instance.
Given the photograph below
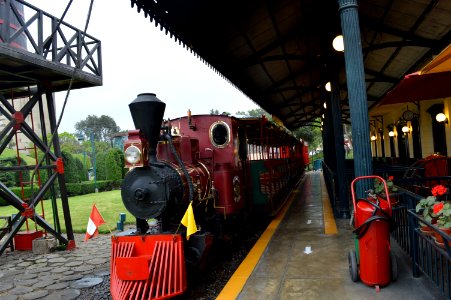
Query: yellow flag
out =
(189, 222)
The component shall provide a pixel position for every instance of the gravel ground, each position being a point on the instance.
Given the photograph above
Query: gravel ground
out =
(225, 258)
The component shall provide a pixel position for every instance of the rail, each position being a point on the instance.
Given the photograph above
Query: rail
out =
(48, 37)
(429, 258)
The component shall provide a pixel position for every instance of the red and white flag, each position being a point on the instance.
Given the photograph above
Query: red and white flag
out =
(95, 220)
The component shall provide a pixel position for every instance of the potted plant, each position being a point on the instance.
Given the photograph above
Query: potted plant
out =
(426, 207)
(442, 210)
(379, 189)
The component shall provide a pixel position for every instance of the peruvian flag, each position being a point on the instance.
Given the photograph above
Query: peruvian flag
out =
(95, 220)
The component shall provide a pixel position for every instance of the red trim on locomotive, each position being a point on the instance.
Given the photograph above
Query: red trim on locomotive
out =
(163, 274)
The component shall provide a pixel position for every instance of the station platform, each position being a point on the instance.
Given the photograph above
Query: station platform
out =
(280, 265)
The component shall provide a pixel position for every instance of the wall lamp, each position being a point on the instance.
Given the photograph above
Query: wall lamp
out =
(391, 133)
(373, 137)
(405, 129)
(441, 117)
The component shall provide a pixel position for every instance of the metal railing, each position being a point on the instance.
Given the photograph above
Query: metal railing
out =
(35, 31)
(427, 257)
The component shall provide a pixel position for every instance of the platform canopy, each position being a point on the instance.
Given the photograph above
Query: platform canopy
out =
(279, 53)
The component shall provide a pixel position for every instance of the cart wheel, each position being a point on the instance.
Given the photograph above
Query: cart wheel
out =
(394, 267)
(353, 269)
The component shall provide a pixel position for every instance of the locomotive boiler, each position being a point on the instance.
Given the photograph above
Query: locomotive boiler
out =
(221, 167)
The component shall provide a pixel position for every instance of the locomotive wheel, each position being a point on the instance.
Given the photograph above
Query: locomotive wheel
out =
(394, 267)
(353, 268)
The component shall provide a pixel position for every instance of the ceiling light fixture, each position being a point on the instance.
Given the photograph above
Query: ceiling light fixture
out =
(338, 43)
(328, 87)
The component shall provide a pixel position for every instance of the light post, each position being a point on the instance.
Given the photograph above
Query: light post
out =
(94, 160)
(93, 154)
(80, 138)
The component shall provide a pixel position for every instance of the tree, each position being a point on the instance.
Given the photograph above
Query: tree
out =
(102, 128)
(69, 143)
(311, 134)
(255, 113)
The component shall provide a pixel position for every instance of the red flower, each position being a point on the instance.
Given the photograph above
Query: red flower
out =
(390, 178)
(438, 190)
(437, 208)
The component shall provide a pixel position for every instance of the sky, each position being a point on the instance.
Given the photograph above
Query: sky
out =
(138, 58)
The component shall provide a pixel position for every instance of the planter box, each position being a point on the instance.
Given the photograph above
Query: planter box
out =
(23, 240)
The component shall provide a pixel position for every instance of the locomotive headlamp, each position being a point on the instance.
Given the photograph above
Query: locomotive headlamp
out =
(132, 154)
(136, 150)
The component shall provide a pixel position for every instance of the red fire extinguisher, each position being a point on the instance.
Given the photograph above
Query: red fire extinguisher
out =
(372, 260)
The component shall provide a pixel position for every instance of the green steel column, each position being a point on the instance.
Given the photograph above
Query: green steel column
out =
(342, 190)
(329, 157)
(358, 105)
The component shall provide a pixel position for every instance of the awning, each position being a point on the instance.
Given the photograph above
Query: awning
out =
(431, 82)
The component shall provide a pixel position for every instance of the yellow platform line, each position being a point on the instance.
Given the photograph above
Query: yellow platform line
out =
(239, 278)
(330, 227)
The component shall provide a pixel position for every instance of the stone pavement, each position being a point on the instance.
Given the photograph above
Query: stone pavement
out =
(57, 275)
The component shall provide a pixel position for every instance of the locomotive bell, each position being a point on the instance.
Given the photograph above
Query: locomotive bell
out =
(147, 113)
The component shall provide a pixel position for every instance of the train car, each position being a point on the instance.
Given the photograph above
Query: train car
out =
(200, 177)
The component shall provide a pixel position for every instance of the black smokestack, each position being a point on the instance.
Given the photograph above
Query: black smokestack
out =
(147, 113)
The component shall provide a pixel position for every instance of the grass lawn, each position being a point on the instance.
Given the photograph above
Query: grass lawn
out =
(108, 203)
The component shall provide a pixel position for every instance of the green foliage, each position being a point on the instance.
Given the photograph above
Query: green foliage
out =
(85, 162)
(13, 178)
(101, 166)
(24, 193)
(101, 127)
(22, 176)
(216, 112)
(257, 113)
(118, 165)
(379, 187)
(311, 134)
(71, 168)
(8, 178)
(425, 206)
(443, 214)
(110, 165)
(87, 187)
(69, 143)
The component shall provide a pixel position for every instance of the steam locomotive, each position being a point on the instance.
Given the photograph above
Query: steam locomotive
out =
(220, 167)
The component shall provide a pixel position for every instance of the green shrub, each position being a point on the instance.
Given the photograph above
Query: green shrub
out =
(71, 171)
(25, 195)
(73, 189)
(13, 178)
